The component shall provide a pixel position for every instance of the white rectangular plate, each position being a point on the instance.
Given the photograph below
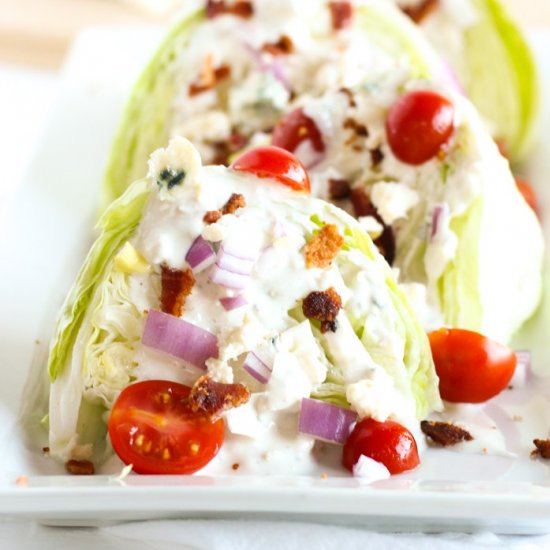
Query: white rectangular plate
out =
(42, 244)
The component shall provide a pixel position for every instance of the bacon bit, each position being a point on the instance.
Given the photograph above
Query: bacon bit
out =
(323, 306)
(360, 130)
(341, 14)
(323, 247)
(22, 481)
(214, 8)
(444, 434)
(80, 467)
(376, 157)
(213, 398)
(349, 94)
(283, 46)
(235, 202)
(363, 207)
(421, 11)
(338, 189)
(542, 448)
(209, 77)
(176, 286)
(224, 149)
(235, 466)
(212, 216)
(46, 450)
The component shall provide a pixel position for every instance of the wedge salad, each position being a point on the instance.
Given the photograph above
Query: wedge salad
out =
(227, 301)
(491, 60)
(330, 81)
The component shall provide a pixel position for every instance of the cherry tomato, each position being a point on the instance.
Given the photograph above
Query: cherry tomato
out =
(387, 442)
(418, 125)
(274, 162)
(528, 193)
(471, 367)
(296, 128)
(153, 427)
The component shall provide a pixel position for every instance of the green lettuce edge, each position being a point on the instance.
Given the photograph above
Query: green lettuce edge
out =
(116, 225)
(143, 127)
(502, 78)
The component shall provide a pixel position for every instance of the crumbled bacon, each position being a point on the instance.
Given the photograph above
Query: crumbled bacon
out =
(323, 306)
(283, 46)
(358, 129)
(214, 8)
(213, 398)
(542, 448)
(362, 206)
(323, 247)
(349, 94)
(212, 216)
(234, 202)
(419, 12)
(444, 434)
(376, 157)
(338, 189)
(224, 149)
(210, 76)
(80, 467)
(176, 285)
(341, 14)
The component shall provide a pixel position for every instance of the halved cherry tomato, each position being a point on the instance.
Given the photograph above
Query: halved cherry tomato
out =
(528, 193)
(274, 162)
(471, 367)
(387, 442)
(296, 128)
(153, 427)
(418, 125)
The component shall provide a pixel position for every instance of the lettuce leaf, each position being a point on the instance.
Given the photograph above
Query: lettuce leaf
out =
(116, 225)
(501, 77)
(145, 121)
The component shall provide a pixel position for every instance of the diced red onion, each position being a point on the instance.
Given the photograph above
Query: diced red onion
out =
(440, 214)
(227, 261)
(179, 338)
(242, 249)
(326, 421)
(523, 368)
(228, 279)
(233, 302)
(451, 78)
(257, 368)
(201, 255)
(276, 68)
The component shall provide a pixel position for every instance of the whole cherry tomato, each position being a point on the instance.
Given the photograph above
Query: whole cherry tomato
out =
(152, 427)
(277, 163)
(471, 367)
(387, 442)
(296, 128)
(528, 193)
(418, 125)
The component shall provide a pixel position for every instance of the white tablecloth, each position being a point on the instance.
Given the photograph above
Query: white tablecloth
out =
(25, 101)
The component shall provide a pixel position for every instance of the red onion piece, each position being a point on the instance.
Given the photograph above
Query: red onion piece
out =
(449, 75)
(242, 249)
(506, 425)
(523, 368)
(228, 279)
(200, 255)
(257, 368)
(326, 421)
(440, 214)
(179, 338)
(227, 261)
(233, 302)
